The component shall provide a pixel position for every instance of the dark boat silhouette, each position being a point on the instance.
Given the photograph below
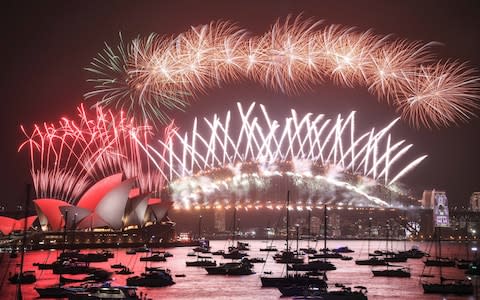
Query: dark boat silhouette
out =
(313, 265)
(399, 272)
(25, 277)
(202, 261)
(233, 268)
(158, 278)
(154, 257)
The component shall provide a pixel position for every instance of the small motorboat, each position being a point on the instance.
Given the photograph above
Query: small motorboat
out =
(124, 271)
(25, 278)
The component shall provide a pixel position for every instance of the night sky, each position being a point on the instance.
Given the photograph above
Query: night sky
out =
(46, 44)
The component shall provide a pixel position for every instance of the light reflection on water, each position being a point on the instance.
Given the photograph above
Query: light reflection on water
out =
(198, 285)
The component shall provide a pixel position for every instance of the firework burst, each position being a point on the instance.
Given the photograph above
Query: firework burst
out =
(151, 76)
(66, 157)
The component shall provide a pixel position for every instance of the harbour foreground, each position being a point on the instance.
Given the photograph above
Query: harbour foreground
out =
(197, 284)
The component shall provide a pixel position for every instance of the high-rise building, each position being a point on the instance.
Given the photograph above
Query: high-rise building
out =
(475, 201)
(428, 199)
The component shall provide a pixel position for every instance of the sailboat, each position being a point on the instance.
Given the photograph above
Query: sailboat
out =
(400, 271)
(372, 261)
(28, 276)
(309, 250)
(235, 252)
(289, 280)
(447, 286)
(317, 265)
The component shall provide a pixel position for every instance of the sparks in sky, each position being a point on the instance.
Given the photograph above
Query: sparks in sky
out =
(251, 142)
(68, 156)
(150, 76)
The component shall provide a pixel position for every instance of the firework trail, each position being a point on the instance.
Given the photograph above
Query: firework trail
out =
(68, 156)
(153, 75)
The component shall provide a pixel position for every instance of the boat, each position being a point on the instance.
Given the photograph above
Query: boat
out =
(243, 267)
(372, 261)
(400, 272)
(154, 257)
(158, 278)
(289, 279)
(269, 248)
(343, 249)
(313, 265)
(202, 261)
(321, 292)
(256, 260)
(234, 254)
(463, 264)
(395, 258)
(143, 249)
(414, 253)
(164, 253)
(131, 252)
(110, 292)
(439, 262)
(218, 252)
(72, 267)
(326, 254)
(457, 287)
(242, 246)
(446, 286)
(473, 269)
(288, 257)
(346, 258)
(25, 277)
(54, 291)
(117, 266)
(124, 271)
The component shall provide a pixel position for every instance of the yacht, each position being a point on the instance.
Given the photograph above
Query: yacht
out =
(269, 248)
(124, 271)
(373, 261)
(400, 272)
(116, 292)
(158, 278)
(202, 261)
(457, 287)
(117, 266)
(321, 292)
(233, 268)
(154, 257)
(313, 265)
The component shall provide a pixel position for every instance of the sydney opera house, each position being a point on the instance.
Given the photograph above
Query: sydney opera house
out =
(112, 211)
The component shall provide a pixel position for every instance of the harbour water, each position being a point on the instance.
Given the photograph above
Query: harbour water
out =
(198, 285)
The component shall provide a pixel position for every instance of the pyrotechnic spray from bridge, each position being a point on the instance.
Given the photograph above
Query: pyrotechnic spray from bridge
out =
(249, 146)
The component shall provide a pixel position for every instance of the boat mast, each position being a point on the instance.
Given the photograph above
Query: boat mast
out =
(234, 224)
(325, 228)
(24, 245)
(440, 252)
(369, 233)
(309, 221)
(288, 224)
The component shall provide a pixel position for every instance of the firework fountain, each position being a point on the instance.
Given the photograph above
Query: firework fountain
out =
(156, 74)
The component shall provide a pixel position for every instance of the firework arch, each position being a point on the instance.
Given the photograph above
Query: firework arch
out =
(157, 73)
